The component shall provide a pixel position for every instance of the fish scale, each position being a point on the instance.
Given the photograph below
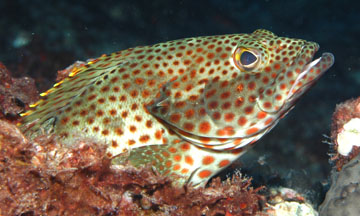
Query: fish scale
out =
(189, 107)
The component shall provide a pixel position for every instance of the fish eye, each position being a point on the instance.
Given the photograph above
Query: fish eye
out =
(246, 59)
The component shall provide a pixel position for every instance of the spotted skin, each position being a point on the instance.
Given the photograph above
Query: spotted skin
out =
(189, 107)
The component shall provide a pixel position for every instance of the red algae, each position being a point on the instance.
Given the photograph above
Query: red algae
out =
(15, 94)
(44, 177)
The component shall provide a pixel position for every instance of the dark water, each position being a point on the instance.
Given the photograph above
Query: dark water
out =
(39, 37)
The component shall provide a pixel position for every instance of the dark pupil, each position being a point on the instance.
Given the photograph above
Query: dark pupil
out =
(247, 58)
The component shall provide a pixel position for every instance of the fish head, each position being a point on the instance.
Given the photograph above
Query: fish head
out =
(249, 85)
(286, 68)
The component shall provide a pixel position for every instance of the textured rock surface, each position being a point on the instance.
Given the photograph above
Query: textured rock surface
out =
(343, 198)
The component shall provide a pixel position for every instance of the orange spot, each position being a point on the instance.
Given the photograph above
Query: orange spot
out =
(188, 126)
(122, 98)
(132, 128)
(176, 167)
(252, 130)
(172, 150)
(64, 120)
(144, 138)
(124, 114)
(184, 171)
(225, 95)
(114, 144)
(148, 123)
(210, 93)
(210, 55)
(75, 123)
(159, 158)
(105, 89)
(248, 110)
(265, 80)
(239, 101)
(165, 153)
(267, 69)
(99, 113)
(277, 66)
(90, 120)
(199, 59)
(204, 139)
(96, 129)
(224, 163)
(106, 120)
(267, 122)
(180, 104)
(213, 105)
(251, 86)
(189, 113)
(229, 117)
(145, 93)
(216, 115)
(242, 121)
(189, 160)
(267, 105)
(240, 87)
(175, 117)
(226, 131)
(187, 62)
(185, 146)
(168, 163)
(261, 115)
(204, 174)
(134, 93)
(208, 160)
(158, 134)
(204, 127)
(119, 132)
(177, 157)
(282, 86)
(101, 100)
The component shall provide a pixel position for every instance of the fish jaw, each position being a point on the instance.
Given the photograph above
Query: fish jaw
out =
(295, 78)
(311, 72)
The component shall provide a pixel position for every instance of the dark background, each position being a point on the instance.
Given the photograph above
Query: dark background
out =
(39, 37)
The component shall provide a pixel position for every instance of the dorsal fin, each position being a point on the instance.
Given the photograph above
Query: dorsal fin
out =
(264, 32)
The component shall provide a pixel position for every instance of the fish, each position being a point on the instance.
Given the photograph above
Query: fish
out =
(188, 108)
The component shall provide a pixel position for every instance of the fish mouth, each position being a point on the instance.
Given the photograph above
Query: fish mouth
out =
(309, 74)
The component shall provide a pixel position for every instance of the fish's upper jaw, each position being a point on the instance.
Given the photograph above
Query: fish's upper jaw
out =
(309, 74)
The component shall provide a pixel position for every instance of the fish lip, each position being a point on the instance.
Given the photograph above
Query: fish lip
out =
(307, 69)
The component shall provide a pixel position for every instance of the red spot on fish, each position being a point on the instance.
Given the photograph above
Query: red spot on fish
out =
(204, 174)
(251, 131)
(204, 127)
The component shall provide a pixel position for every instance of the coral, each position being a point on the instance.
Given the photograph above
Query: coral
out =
(288, 202)
(343, 198)
(349, 137)
(43, 177)
(345, 112)
(15, 93)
